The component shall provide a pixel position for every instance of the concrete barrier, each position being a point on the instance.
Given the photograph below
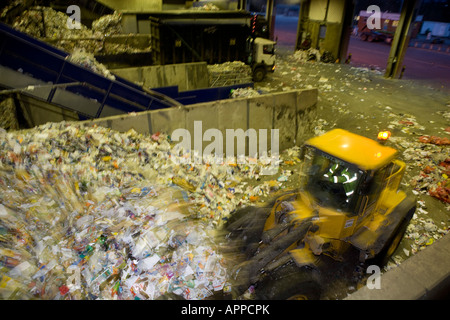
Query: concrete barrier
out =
(426, 275)
(35, 111)
(187, 76)
(291, 112)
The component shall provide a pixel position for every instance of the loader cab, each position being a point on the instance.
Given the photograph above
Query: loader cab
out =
(349, 173)
(331, 182)
(377, 186)
(349, 199)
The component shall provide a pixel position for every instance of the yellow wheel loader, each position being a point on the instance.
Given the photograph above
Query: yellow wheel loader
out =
(349, 199)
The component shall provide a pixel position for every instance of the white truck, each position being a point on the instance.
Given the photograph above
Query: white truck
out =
(261, 57)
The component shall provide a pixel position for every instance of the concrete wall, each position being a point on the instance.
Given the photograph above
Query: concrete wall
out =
(332, 18)
(37, 112)
(291, 112)
(133, 5)
(332, 38)
(426, 275)
(187, 76)
(318, 10)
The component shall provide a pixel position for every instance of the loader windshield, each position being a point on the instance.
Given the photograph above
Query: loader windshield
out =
(331, 181)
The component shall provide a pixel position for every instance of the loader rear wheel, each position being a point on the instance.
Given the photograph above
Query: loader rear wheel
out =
(297, 284)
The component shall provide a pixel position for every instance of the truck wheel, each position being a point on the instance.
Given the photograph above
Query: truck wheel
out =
(363, 37)
(371, 38)
(294, 284)
(259, 74)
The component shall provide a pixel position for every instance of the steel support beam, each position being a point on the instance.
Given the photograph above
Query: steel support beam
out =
(302, 20)
(269, 17)
(347, 18)
(401, 39)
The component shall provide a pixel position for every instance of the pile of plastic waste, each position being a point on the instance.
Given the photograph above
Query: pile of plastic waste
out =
(229, 73)
(244, 93)
(109, 24)
(134, 245)
(206, 7)
(44, 22)
(307, 55)
(230, 66)
(87, 60)
(8, 114)
(92, 213)
(53, 26)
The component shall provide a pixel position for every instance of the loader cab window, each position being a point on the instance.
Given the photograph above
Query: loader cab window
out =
(331, 181)
(376, 184)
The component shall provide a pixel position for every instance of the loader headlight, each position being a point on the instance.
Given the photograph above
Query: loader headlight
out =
(384, 135)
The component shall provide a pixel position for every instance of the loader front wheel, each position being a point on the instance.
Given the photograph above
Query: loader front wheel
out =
(246, 225)
(301, 284)
(383, 257)
(392, 244)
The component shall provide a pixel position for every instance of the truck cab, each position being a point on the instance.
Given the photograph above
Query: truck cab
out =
(261, 57)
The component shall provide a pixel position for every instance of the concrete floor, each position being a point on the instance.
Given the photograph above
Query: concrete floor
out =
(422, 61)
(420, 64)
(424, 276)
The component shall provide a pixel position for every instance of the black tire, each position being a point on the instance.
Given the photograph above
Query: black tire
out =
(371, 38)
(170, 296)
(235, 218)
(363, 37)
(382, 258)
(237, 215)
(259, 74)
(290, 283)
